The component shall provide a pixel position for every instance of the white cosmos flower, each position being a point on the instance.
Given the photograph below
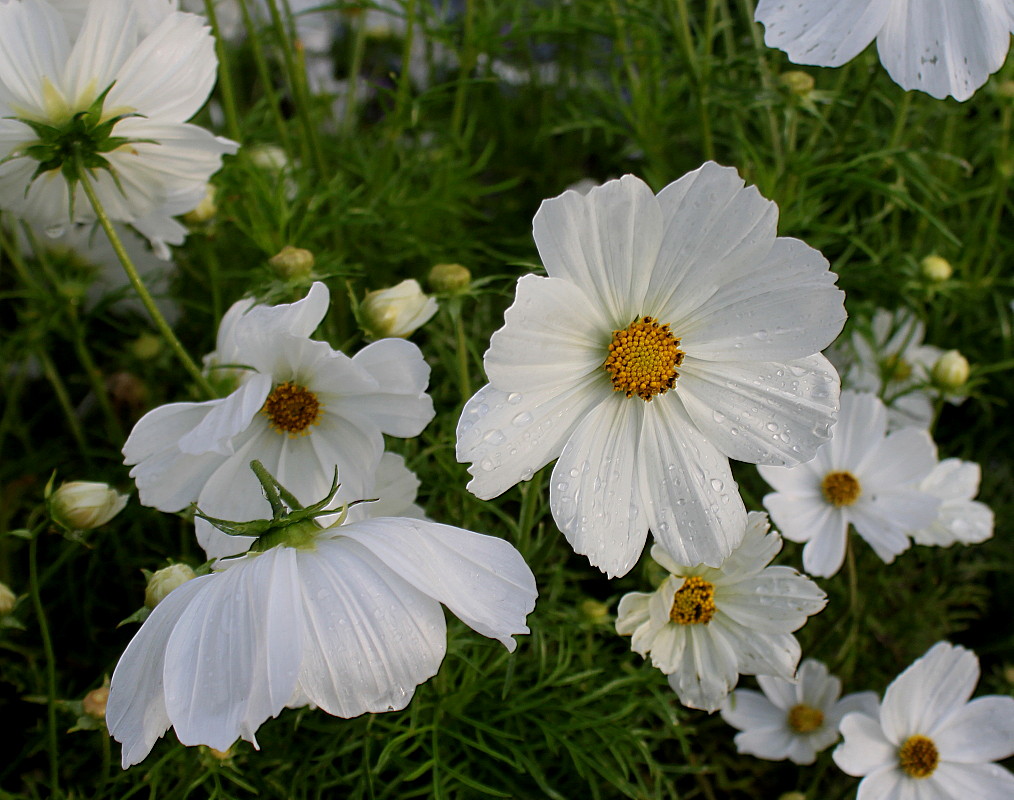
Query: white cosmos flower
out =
(350, 623)
(862, 477)
(928, 742)
(705, 626)
(937, 46)
(715, 327)
(302, 409)
(161, 66)
(960, 518)
(792, 719)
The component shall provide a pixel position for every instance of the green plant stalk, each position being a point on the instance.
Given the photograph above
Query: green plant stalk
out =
(355, 67)
(679, 18)
(404, 80)
(461, 346)
(142, 291)
(47, 646)
(467, 64)
(224, 75)
(265, 76)
(63, 398)
(766, 80)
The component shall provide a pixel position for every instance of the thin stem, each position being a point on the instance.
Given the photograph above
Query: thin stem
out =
(142, 291)
(47, 646)
(355, 67)
(224, 76)
(464, 380)
(681, 24)
(404, 79)
(265, 76)
(467, 64)
(63, 398)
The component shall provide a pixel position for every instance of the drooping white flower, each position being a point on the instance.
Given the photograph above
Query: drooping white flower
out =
(158, 66)
(862, 477)
(928, 742)
(793, 720)
(349, 622)
(302, 409)
(704, 627)
(936, 46)
(673, 333)
(960, 518)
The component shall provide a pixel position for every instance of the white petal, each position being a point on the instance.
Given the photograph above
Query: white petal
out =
(296, 319)
(887, 783)
(983, 730)
(136, 713)
(553, 336)
(862, 421)
(943, 49)
(981, 781)
(369, 637)
(401, 407)
(765, 654)
(227, 419)
(507, 437)
(632, 613)
(483, 580)
(33, 47)
(693, 504)
(762, 413)
(749, 710)
(708, 672)
(595, 494)
(867, 703)
(604, 242)
(865, 748)
(778, 600)
(772, 744)
(826, 33)
(904, 458)
(781, 693)
(107, 38)
(801, 480)
(930, 690)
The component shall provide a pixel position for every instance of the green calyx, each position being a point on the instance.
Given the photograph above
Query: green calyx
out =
(291, 524)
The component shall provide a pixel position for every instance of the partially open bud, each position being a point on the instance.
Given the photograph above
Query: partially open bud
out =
(292, 263)
(450, 278)
(164, 581)
(798, 82)
(7, 599)
(268, 157)
(84, 505)
(94, 702)
(397, 311)
(206, 210)
(951, 371)
(936, 269)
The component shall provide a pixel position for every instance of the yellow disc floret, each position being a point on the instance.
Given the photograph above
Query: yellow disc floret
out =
(918, 756)
(841, 488)
(693, 603)
(805, 719)
(643, 358)
(292, 409)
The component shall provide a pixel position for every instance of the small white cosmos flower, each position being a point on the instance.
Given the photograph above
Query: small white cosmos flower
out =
(346, 619)
(301, 409)
(792, 720)
(674, 332)
(158, 66)
(936, 46)
(862, 477)
(960, 518)
(927, 741)
(705, 626)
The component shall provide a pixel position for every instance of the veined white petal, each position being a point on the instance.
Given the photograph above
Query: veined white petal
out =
(974, 780)
(887, 782)
(33, 48)
(226, 419)
(902, 460)
(982, 730)
(401, 407)
(595, 492)
(826, 33)
(747, 709)
(770, 654)
(778, 600)
(483, 580)
(762, 413)
(865, 748)
(604, 242)
(862, 421)
(708, 672)
(632, 613)
(107, 38)
(243, 318)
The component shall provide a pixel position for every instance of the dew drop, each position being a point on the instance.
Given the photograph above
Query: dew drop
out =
(495, 436)
(521, 420)
(514, 398)
(717, 485)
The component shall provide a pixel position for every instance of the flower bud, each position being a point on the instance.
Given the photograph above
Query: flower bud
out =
(164, 581)
(7, 599)
(396, 311)
(94, 702)
(951, 371)
(268, 157)
(451, 278)
(205, 210)
(798, 82)
(1005, 89)
(936, 269)
(84, 505)
(146, 346)
(292, 263)
(595, 611)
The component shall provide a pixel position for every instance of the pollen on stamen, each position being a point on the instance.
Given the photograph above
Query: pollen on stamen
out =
(643, 358)
(841, 488)
(918, 756)
(693, 603)
(805, 719)
(292, 409)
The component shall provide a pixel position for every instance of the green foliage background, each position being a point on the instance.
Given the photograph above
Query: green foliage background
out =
(453, 170)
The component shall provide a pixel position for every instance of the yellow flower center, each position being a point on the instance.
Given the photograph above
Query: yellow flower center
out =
(918, 757)
(805, 719)
(292, 409)
(693, 603)
(841, 488)
(643, 358)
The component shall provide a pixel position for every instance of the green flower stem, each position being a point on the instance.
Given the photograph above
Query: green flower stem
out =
(135, 280)
(47, 646)
(404, 80)
(467, 63)
(224, 75)
(679, 19)
(265, 77)
(355, 67)
(63, 398)
(464, 379)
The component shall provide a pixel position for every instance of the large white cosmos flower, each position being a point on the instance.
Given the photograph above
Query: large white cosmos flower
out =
(862, 477)
(302, 409)
(937, 46)
(792, 719)
(673, 333)
(349, 622)
(158, 66)
(928, 742)
(704, 626)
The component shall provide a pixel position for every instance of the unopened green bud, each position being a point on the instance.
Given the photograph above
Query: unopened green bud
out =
(204, 211)
(1005, 89)
(450, 278)
(268, 157)
(292, 263)
(164, 581)
(595, 611)
(936, 269)
(798, 82)
(146, 346)
(397, 311)
(951, 371)
(94, 703)
(84, 505)
(7, 599)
